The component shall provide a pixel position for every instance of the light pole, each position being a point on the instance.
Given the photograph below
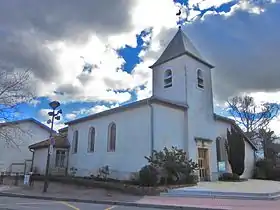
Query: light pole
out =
(54, 116)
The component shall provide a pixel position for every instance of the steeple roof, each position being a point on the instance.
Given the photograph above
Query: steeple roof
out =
(178, 46)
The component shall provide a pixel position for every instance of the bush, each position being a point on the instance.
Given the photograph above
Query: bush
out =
(229, 177)
(173, 166)
(265, 170)
(235, 147)
(148, 176)
(274, 174)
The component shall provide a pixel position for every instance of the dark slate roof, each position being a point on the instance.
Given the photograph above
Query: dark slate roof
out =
(61, 141)
(27, 120)
(178, 46)
(130, 106)
(233, 123)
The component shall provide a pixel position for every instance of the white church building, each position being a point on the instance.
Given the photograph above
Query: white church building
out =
(179, 113)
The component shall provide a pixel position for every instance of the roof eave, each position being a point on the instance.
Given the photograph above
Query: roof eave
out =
(179, 55)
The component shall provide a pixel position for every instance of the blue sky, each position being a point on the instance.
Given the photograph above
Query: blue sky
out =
(221, 31)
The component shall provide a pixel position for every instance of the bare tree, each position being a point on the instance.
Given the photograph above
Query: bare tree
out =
(267, 142)
(251, 116)
(15, 89)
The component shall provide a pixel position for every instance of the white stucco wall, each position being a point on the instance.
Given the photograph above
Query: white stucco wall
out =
(132, 143)
(133, 140)
(221, 128)
(23, 134)
(40, 160)
(168, 127)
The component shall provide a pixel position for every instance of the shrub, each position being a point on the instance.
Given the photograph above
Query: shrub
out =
(235, 147)
(265, 170)
(274, 174)
(229, 177)
(173, 166)
(148, 176)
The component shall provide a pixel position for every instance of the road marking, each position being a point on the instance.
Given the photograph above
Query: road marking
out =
(69, 205)
(110, 208)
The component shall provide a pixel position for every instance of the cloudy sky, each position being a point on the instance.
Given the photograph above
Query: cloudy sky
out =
(118, 40)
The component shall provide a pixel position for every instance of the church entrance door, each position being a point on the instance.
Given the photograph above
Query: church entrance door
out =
(203, 164)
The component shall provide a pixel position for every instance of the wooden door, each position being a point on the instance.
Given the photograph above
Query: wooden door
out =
(203, 164)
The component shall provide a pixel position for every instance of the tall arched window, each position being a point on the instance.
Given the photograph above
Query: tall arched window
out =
(112, 135)
(167, 78)
(200, 81)
(91, 139)
(75, 142)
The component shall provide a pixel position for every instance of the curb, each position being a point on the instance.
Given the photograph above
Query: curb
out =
(113, 203)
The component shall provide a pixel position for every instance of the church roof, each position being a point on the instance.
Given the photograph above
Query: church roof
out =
(233, 123)
(178, 46)
(129, 106)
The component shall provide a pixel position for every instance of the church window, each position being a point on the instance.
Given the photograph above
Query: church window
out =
(91, 139)
(112, 131)
(75, 142)
(168, 78)
(200, 81)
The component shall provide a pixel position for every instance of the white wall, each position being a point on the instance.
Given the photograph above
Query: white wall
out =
(23, 134)
(168, 127)
(40, 160)
(132, 143)
(221, 128)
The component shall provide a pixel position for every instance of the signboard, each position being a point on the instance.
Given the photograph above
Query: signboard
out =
(26, 179)
(51, 150)
(52, 141)
(222, 166)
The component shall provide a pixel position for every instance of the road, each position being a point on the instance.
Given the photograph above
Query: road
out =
(8, 203)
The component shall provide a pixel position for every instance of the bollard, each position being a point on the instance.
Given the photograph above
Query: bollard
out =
(2, 178)
(16, 179)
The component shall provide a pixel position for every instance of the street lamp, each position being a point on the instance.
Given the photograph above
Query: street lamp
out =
(54, 116)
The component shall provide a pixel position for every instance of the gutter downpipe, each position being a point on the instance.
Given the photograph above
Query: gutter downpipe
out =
(33, 151)
(151, 125)
(186, 127)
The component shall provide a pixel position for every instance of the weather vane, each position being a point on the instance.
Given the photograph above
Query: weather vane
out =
(179, 15)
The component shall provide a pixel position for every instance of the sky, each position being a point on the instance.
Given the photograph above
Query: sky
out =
(94, 55)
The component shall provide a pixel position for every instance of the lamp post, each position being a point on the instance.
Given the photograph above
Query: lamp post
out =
(54, 116)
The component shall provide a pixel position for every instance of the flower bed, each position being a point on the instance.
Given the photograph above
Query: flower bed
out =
(121, 186)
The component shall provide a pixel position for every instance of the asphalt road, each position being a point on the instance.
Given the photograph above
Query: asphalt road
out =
(9, 203)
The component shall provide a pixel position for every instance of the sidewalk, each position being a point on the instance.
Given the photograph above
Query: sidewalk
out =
(213, 203)
(73, 193)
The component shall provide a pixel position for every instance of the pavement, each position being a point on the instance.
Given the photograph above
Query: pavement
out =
(8, 203)
(61, 196)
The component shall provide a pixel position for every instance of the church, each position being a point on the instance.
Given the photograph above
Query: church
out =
(179, 113)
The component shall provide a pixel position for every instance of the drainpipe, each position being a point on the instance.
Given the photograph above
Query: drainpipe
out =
(186, 123)
(33, 151)
(151, 125)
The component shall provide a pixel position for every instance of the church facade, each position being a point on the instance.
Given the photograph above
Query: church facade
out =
(179, 113)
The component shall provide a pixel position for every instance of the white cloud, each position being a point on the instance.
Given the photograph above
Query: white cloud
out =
(58, 124)
(70, 116)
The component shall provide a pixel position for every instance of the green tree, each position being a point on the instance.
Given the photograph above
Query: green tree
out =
(235, 147)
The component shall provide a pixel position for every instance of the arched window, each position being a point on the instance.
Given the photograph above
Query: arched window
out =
(75, 142)
(91, 139)
(200, 81)
(167, 78)
(112, 131)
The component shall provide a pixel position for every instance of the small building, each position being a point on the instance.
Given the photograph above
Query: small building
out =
(180, 113)
(15, 137)
(58, 158)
